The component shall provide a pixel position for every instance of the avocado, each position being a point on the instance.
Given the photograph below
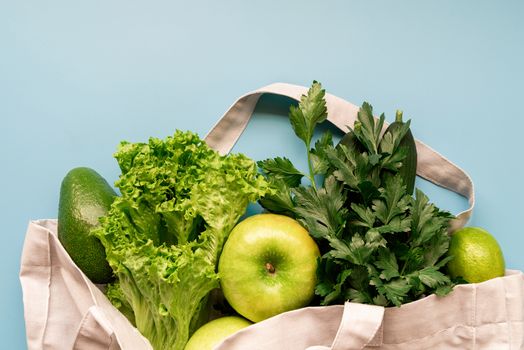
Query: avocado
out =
(85, 196)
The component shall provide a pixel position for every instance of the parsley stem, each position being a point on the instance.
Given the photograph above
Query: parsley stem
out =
(403, 268)
(310, 165)
(398, 116)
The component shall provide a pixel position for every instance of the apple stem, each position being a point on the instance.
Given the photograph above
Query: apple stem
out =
(270, 268)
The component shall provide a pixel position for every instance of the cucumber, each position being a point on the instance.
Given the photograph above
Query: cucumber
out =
(408, 169)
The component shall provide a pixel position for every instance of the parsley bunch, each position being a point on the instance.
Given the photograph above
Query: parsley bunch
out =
(380, 245)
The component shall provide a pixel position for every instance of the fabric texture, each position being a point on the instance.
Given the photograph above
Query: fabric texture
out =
(486, 315)
(64, 310)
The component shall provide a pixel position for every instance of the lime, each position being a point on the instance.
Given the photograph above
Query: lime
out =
(477, 256)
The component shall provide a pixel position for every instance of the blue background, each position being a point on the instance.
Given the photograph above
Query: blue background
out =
(78, 77)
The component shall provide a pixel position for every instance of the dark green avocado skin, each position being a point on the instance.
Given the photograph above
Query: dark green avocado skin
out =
(85, 196)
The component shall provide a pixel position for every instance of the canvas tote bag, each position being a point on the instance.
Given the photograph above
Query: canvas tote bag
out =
(63, 309)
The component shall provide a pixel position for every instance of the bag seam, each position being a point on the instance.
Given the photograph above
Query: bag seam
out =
(81, 326)
(340, 328)
(371, 340)
(510, 329)
(50, 271)
(474, 316)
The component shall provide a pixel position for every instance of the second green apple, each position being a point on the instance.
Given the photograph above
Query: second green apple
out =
(268, 266)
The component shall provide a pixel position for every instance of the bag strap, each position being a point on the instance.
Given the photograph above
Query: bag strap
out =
(361, 326)
(351, 326)
(431, 165)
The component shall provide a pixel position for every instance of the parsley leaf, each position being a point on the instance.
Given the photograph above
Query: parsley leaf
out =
(393, 202)
(379, 244)
(318, 154)
(389, 146)
(368, 130)
(282, 168)
(278, 200)
(310, 111)
(426, 222)
(394, 291)
(387, 263)
(322, 211)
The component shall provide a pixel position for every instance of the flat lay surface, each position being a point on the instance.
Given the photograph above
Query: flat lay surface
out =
(76, 79)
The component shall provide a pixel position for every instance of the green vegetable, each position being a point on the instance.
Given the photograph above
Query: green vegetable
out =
(379, 244)
(84, 197)
(408, 169)
(163, 236)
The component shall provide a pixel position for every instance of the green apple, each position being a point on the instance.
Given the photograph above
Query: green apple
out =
(212, 333)
(268, 266)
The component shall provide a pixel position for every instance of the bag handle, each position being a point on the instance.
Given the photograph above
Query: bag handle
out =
(431, 165)
(351, 326)
(360, 326)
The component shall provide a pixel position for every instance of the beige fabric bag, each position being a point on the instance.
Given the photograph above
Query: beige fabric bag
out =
(64, 310)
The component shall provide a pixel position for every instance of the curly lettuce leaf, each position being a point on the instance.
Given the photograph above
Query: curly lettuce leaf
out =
(163, 236)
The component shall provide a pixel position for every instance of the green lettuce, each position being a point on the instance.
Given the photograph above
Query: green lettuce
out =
(163, 235)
